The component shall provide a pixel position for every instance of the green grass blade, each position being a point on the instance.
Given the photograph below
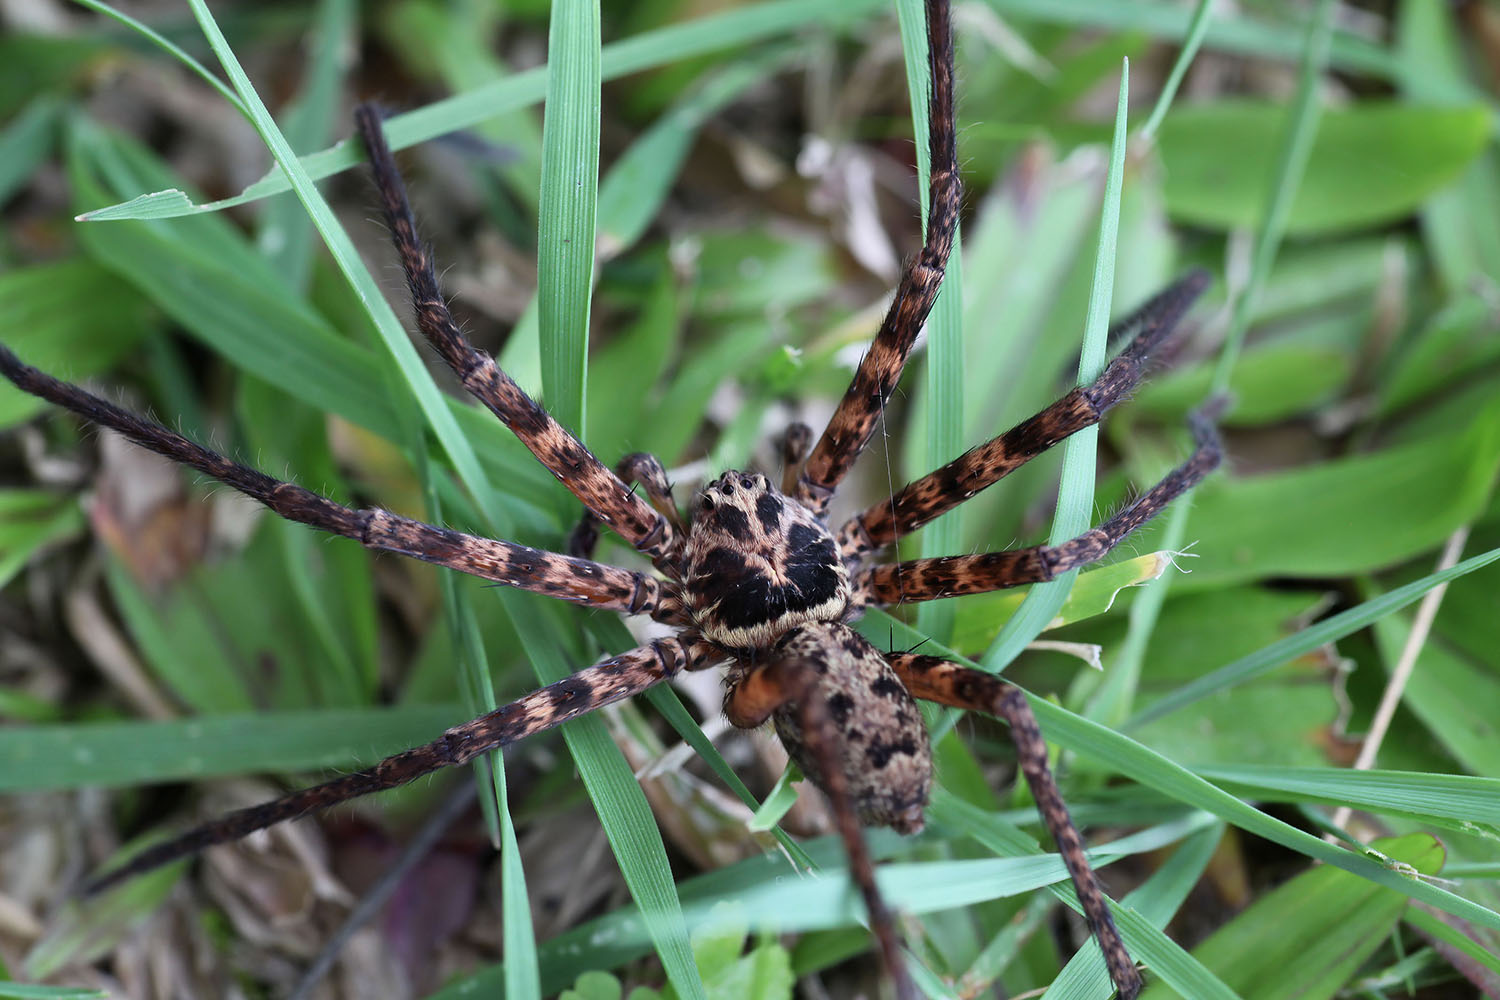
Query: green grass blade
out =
(771, 895)
(1342, 624)
(1143, 765)
(171, 48)
(1157, 901)
(1196, 33)
(522, 974)
(565, 280)
(1439, 798)
(1302, 128)
(945, 343)
(647, 50)
(1112, 703)
(283, 235)
(121, 754)
(1308, 937)
(26, 141)
(27, 991)
(568, 201)
(1075, 501)
(1436, 929)
(1123, 755)
(434, 409)
(1142, 931)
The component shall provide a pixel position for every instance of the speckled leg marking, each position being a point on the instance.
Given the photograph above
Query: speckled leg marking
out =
(934, 679)
(599, 489)
(856, 733)
(854, 421)
(602, 684)
(940, 491)
(647, 471)
(949, 576)
(576, 580)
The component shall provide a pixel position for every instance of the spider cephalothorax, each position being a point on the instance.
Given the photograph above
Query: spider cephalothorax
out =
(756, 578)
(759, 564)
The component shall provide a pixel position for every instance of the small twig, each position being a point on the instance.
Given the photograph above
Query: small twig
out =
(1390, 700)
(422, 844)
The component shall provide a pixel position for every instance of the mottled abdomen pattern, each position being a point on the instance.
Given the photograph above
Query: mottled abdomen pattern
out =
(886, 756)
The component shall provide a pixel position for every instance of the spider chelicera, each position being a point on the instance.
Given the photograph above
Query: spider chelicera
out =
(753, 577)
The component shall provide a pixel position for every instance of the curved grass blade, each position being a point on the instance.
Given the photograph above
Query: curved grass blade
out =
(1075, 501)
(1326, 631)
(1113, 701)
(945, 341)
(565, 283)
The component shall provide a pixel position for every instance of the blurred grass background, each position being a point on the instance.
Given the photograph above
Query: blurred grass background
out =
(1331, 164)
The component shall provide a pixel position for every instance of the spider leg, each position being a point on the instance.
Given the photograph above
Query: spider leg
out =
(577, 580)
(646, 470)
(794, 447)
(750, 703)
(949, 576)
(939, 491)
(589, 479)
(854, 421)
(603, 684)
(934, 679)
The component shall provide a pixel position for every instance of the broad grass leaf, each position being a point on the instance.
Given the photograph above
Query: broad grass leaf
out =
(1457, 698)
(1306, 939)
(1456, 222)
(1348, 515)
(1270, 383)
(121, 754)
(1371, 163)
(72, 317)
(1456, 801)
(1282, 716)
(31, 520)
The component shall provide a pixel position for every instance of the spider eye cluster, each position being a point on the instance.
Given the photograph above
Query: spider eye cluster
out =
(759, 564)
(730, 488)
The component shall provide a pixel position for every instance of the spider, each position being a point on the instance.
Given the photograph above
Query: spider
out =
(754, 578)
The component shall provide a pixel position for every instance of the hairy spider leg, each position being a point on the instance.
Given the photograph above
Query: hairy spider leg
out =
(949, 576)
(592, 584)
(854, 420)
(933, 679)
(795, 444)
(837, 708)
(924, 499)
(587, 478)
(647, 471)
(604, 683)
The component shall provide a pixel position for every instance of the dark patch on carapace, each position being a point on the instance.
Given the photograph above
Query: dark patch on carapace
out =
(768, 509)
(734, 522)
(802, 537)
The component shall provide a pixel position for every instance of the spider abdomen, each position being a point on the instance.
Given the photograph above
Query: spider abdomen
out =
(885, 754)
(759, 564)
